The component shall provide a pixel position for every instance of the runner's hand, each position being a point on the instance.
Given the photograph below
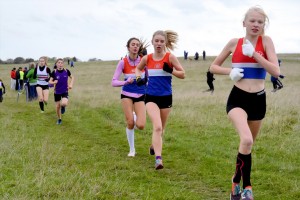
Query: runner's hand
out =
(129, 80)
(167, 68)
(248, 48)
(236, 74)
(140, 81)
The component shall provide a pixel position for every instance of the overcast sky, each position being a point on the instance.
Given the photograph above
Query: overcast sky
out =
(100, 28)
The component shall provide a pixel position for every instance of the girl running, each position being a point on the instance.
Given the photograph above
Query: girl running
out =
(60, 78)
(253, 56)
(161, 66)
(42, 73)
(132, 96)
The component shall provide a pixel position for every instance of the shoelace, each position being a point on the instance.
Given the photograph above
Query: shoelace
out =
(248, 193)
(236, 190)
(158, 161)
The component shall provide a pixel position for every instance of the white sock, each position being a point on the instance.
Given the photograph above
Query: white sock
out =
(130, 138)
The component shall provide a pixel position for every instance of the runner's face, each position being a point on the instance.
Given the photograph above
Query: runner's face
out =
(159, 43)
(254, 23)
(60, 64)
(134, 46)
(42, 62)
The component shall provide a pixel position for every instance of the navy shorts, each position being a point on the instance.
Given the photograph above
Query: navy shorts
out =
(160, 101)
(141, 98)
(58, 97)
(254, 104)
(44, 87)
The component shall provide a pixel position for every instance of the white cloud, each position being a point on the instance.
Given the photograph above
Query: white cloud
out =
(100, 28)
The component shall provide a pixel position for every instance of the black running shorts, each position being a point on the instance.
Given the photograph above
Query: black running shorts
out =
(254, 104)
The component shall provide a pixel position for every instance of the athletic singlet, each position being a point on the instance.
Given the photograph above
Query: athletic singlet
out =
(252, 70)
(160, 82)
(129, 71)
(62, 77)
(42, 76)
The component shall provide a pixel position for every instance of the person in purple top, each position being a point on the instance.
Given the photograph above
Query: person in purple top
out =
(60, 78)
(132, 96)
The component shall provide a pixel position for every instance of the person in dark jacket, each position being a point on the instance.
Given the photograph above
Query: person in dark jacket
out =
(209, 79)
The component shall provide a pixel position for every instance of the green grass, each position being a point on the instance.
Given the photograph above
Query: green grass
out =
(86, 157)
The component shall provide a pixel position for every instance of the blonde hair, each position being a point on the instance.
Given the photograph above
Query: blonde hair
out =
(45, 59)
(260, 11)
(170, 36)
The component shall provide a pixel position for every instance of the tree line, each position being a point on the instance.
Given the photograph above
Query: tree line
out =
(21, 60)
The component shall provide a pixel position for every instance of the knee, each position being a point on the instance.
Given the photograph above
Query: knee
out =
(64, 104)
(130, 124)
(247, 142)
(158, 130)
(140, 126)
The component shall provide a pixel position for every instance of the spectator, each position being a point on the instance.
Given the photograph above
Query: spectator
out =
(1, 91)
(185, 55)
(32, 83)
(196, 56)
(204, 55)
(21, 80)
(209, 79)
(13, 79)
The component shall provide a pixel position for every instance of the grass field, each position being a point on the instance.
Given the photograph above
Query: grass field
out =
(86, 156)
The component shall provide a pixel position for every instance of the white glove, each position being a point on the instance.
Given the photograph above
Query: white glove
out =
(236, 74)
(248, 48)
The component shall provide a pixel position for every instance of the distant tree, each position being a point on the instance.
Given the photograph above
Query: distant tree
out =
(74, 59)
(92, 59)
(19, 60)
(9, 61)
(1, 62)
(29, 60)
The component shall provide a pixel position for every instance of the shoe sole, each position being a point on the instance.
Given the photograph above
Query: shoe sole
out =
(159, 167)
(131, 155)
(230, 197)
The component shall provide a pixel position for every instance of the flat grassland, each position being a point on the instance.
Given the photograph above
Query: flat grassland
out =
(86, 156)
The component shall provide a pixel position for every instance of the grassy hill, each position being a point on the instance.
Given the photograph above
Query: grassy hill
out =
(86, 156)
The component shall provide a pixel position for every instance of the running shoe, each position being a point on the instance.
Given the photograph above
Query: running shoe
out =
(247, 194)
(131, 154)
(158, 164)
(235, 192)
(63, 110)
(151, 150)
(59, 121)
